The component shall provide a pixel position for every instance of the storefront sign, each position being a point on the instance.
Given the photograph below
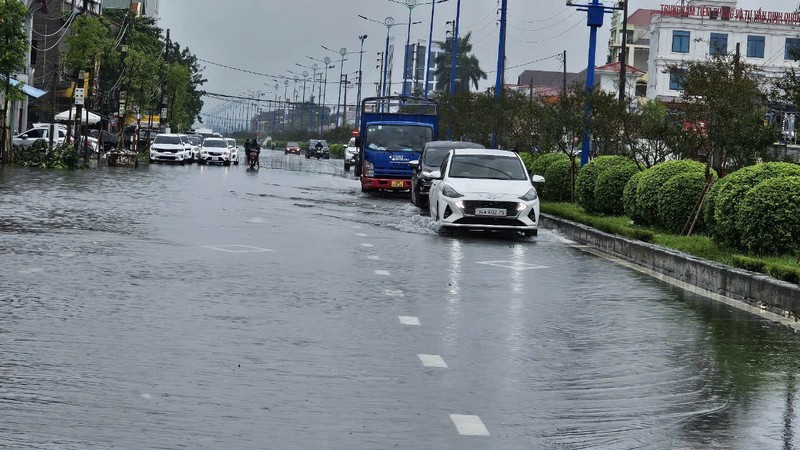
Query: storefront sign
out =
(734, 14)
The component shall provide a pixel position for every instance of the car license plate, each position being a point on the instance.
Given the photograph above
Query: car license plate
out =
(397, 183)
(490, 212)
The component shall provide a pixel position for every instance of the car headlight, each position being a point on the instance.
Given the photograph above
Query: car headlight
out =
(225, 153)
(448, 191)
(369, 169)
(530, 195)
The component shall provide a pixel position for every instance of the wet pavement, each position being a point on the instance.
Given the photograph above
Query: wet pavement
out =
(215, 307)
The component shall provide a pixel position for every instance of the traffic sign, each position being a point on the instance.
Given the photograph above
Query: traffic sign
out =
(79, 96)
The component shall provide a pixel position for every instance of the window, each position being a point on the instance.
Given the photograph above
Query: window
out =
(755, 46)
(676, 79)
(680, 41)
(718, 44)
(792, 49)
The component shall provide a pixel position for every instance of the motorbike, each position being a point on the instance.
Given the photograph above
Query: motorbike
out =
(252, 160)
(318, 153)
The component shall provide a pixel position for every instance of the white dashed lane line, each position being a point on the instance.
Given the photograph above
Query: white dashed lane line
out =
(432, 361)
(469, 425)
(367, 245)
(383, 273)
(409, 320)
(361, 234)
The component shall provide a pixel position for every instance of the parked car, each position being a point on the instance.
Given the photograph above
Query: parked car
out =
(40, 132)
(350, 154)
(109, 139)
(192, 153)
(485, 190)
(431, 159)
(168, 147)
(215, 150)
(197, 143)
(234, 150)
(292, 147)
(312, 145)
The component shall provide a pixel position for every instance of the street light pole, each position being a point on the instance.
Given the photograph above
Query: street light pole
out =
(360, 61)
(455, 50)
(501, 64)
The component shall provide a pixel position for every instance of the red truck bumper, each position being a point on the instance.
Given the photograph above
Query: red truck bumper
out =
(385, 184)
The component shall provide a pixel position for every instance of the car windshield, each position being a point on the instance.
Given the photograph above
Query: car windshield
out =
(398, 138)
(215, 143)
(292, 144)
(352, 142)
(194, 141)
(434, 154)
(232, 142)
(162, 139)
(487, 167)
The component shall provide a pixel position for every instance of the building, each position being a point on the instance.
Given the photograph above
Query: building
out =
(147, 8)
(704, 28)
(637, 41)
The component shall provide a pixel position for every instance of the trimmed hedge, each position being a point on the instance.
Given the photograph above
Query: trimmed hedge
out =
(586, 181)
(677, 200)
(609, 225)
(539, 165)
(779, 271)
(337, 150)
(649, 188)
(732, 191)
(768, 217)
(610, 187)
(558, 181)
(629, 197)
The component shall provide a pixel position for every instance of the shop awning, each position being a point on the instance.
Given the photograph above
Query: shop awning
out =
(30, 90)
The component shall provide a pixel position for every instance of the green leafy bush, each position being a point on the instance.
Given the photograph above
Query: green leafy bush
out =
(62, 157)
(649, 188)
(609, 189)
(784, 273)
(337, 150)
(558, 181)
(528, 158)
(748, 263)
(677, 200)
(732, 192)
(611, 225)
(629, 197)
(586, 181)
(540, 164)
(768, 217)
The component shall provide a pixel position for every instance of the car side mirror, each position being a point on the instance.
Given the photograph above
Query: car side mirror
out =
(24, 136)
(414, 164)
(537, 179)
(436, 175)
(358, 142)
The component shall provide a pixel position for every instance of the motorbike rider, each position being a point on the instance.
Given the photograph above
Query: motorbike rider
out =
(319, 146)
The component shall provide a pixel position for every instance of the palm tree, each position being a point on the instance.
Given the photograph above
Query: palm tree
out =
(468, 67)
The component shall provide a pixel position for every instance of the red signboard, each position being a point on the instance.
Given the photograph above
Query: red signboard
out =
(735, 14)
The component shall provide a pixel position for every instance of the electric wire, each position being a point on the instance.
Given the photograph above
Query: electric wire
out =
(554, 36)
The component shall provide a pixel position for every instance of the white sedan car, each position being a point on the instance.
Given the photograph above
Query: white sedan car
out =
(234, 148)
(485, 190)
(215, 150)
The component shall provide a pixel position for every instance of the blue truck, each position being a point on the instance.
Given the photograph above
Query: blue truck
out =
(393, 132)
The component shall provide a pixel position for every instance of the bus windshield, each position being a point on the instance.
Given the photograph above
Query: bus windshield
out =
(398, 138)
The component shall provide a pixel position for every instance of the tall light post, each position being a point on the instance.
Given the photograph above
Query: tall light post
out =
(501, 64)
(283, 110)
(410, 4)
(327, 62)
(455, 50)
(389, 23)
(342, 52)
(360, 61)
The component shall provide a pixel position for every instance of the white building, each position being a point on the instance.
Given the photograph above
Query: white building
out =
(703, 28)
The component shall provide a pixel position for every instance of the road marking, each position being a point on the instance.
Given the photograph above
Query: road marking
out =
(409, 320)
(357, 227)
(237, 248)
(367, 245)
(374, 257)
(147, 396)
(394, 293)
(256, 220)
(515, 265)
(469, 425)
(361, 234)
(31, 270)
(383, 273)
(432, 361)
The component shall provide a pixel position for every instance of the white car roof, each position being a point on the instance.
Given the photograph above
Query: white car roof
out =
(482, 151)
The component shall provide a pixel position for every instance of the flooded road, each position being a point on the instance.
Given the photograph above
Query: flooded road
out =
(215, 307)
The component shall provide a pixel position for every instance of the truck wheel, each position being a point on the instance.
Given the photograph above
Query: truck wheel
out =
(346, 167)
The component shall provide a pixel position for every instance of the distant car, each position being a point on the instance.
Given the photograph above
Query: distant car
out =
(431, 159)
(192, 153)
(196, 142)
(168, 148)
(234, 150)
(485, 190)
(292, 147)
(312, 146)
(215, 151)
(40, 132)
(350, 154)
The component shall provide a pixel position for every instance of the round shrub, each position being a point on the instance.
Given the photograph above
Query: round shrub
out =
(539, 165)
(733, 190)
(629, 197)
(647, 192)
(609, 189)
(768, 216)
(678, 198)
(527, 158)
(558, 182)
(587, 178)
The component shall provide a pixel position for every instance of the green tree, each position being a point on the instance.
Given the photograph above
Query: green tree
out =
(13, 50)
(468, 67)
(724, 102)
(88, 41)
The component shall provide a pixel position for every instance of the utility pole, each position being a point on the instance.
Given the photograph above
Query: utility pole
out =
(623, 53)
(455, 50)
(564, 77)
(380, 81)
(360, 76)
(501, 65)
(164, 120)
(344, 106)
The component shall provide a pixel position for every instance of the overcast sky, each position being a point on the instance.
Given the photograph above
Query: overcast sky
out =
(271, 36)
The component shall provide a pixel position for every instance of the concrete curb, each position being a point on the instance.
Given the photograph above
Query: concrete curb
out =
(754, 292)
